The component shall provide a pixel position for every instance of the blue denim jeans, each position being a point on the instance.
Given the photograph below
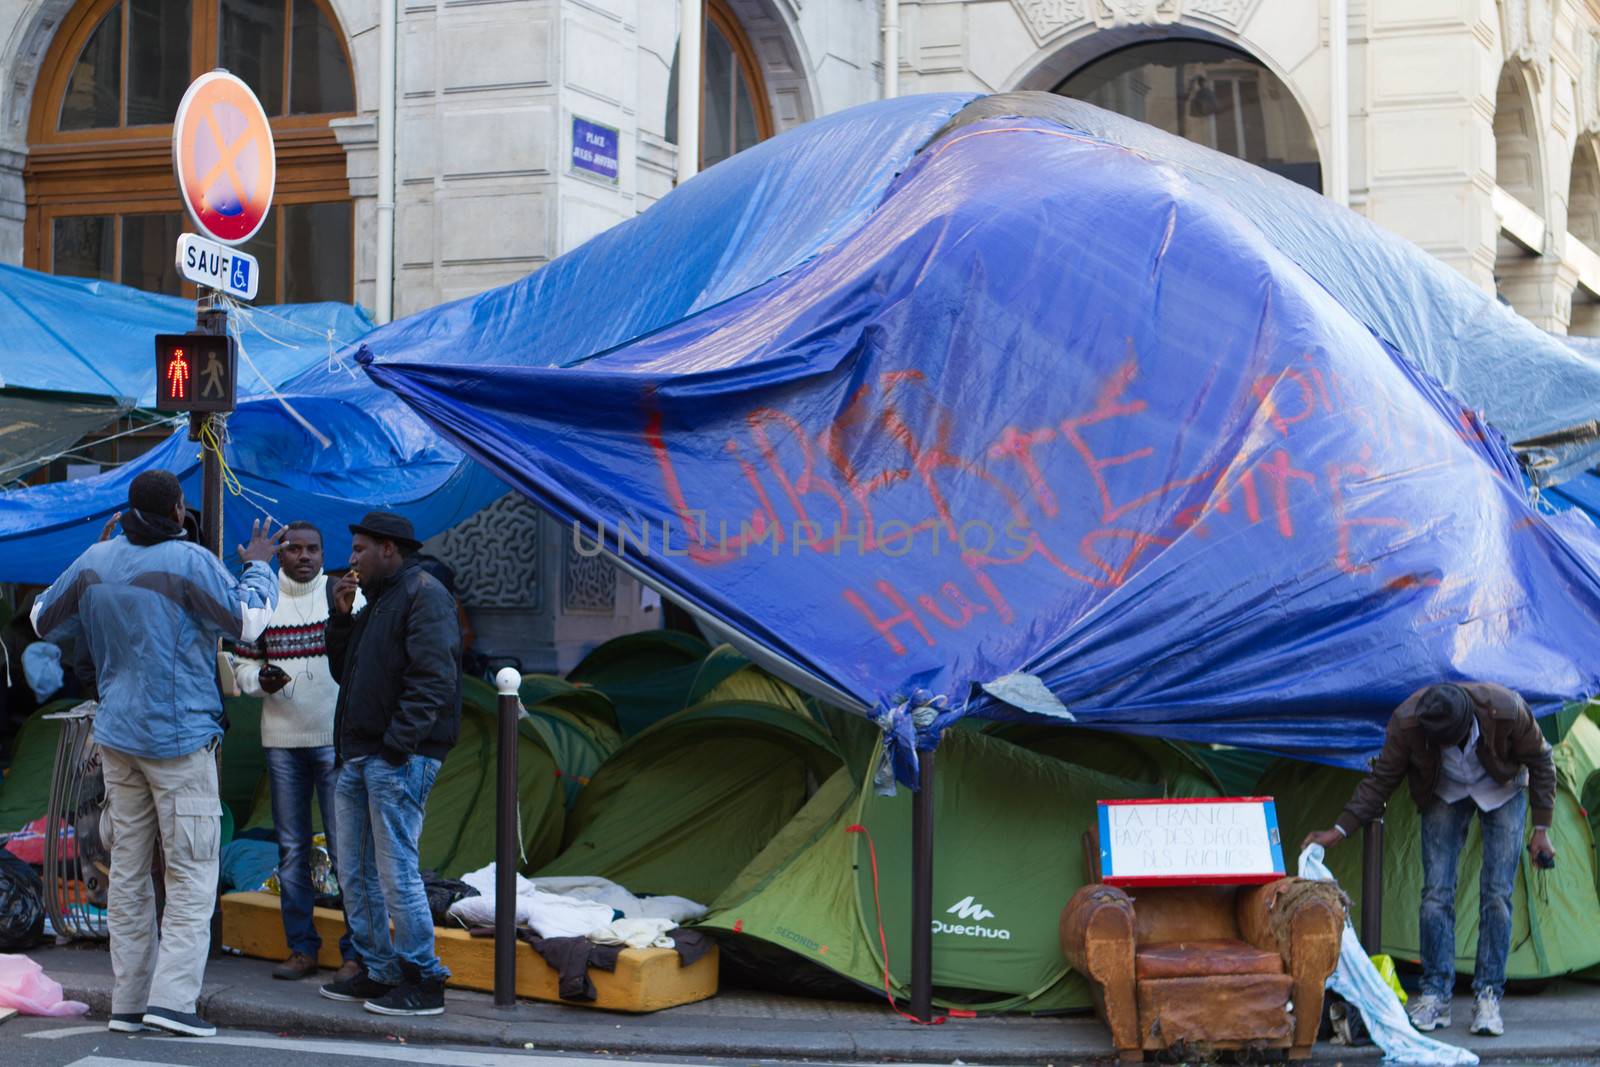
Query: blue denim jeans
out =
(295, 774)
(380, 819)
(1444, 832)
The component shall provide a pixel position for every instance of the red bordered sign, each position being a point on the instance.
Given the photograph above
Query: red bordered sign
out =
(1201, 841)
(223, 156)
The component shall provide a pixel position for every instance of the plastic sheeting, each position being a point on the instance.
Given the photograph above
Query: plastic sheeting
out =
(735, 226)
(76, 335)
(1054, 408)
(1528, 383)
(381, 455)
(79, 353)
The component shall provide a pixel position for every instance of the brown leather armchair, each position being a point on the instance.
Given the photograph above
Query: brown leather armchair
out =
(1207, 968)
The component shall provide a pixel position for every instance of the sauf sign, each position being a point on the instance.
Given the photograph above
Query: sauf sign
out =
(217, 266)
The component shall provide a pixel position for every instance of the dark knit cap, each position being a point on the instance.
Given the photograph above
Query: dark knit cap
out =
(1445, 714)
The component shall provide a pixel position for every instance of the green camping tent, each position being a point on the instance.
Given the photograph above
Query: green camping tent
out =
(458, 828)
(579, 723)
(25, 789)
(729, 675)
(1008, 855)
(646, 675)
(1554, 927)
(682, 807)
(1139, 759)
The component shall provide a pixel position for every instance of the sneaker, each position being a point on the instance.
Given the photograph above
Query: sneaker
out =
(177, 1022)
(298, 965)
(1486, 1015)
(359, 986)
(415, 996)
(127, 1022)
(1429, 1012)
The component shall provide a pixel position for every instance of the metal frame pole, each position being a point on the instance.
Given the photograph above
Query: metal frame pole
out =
(922, 891)
(1372, 887)
(209, 319)
(508, 681)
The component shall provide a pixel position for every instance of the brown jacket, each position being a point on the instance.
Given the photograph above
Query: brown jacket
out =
(1508, 740)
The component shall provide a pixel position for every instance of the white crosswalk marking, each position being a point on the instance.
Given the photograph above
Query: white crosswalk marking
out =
(434, 1057)
(66, 1031)
(118, 1061)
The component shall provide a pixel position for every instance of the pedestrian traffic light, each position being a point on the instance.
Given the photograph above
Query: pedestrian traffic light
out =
(195, 372)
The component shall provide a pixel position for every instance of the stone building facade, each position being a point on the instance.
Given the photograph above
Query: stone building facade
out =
(1469, 127)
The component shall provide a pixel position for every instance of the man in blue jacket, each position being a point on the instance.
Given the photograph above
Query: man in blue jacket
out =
(150, 606)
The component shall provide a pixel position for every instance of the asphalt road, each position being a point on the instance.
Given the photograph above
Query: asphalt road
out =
(27, 1042)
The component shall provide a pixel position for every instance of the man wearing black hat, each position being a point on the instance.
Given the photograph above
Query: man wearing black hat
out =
(1473, 747)
(398, 663)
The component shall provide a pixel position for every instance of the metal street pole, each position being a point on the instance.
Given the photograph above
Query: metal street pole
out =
(1372, 887)
(209, 319)
(922, 891)
(508, 681)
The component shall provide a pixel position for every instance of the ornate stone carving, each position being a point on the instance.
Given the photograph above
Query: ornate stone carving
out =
(1046, 18)
(1529, 27)
(1135, 12)
(1231, 12)
(588, 583)
(495, 554)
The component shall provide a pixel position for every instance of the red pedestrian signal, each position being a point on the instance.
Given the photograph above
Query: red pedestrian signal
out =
(195, 372)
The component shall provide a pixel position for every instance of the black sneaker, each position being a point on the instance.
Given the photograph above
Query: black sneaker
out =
(359, 987)
(177, 1022)
(411, 997)
(127, 1022)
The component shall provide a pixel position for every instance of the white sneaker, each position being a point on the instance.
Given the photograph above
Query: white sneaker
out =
(1486, 1015)
(1429, 1012)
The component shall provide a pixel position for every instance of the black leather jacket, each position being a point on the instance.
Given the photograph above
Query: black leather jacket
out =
(398, 662)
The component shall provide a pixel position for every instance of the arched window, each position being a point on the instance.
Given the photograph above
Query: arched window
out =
(102, 199)
(1212, 94)
(733, 102)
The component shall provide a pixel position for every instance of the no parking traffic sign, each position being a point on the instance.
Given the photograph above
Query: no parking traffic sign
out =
(223, 156)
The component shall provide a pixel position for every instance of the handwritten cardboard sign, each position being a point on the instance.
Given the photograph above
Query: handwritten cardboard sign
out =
(1211, 841)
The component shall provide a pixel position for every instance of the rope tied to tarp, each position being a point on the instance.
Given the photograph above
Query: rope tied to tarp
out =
(911, 723)
(241, 314)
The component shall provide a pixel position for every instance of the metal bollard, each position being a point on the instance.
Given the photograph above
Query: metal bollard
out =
(1372, 887)
(508, 681)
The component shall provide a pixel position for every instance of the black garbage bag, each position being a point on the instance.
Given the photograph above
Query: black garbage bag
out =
(21, 905)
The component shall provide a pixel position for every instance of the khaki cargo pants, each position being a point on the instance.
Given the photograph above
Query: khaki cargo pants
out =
(176, 798)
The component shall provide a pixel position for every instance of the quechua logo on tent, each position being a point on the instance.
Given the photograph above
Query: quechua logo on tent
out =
(972, 915)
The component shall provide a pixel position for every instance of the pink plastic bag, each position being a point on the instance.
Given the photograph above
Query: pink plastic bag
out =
(24, 986)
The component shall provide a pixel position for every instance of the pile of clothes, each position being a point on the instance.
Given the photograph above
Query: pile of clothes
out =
(575, 923)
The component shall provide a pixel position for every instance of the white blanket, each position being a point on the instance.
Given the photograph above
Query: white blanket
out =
(579, 907)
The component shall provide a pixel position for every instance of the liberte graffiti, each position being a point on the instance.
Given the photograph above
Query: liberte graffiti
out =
(1077, 494)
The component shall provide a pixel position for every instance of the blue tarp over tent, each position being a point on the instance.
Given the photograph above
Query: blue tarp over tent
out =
(380, 454)
(1053, 407)
(80, 353)
(77, 335)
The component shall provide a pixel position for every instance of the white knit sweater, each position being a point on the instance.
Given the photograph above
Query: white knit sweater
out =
(300, 715)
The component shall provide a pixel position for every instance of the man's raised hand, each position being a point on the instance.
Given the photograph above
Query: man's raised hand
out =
(262, 547)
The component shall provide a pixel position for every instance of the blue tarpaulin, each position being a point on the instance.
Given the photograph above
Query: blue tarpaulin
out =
(1053, 407)
(76, 335)
(379, 453)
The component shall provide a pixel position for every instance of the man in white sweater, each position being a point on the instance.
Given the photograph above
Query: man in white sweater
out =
(288, 667)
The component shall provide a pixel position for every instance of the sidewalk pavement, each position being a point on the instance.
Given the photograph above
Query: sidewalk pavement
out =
(1560, 1023)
